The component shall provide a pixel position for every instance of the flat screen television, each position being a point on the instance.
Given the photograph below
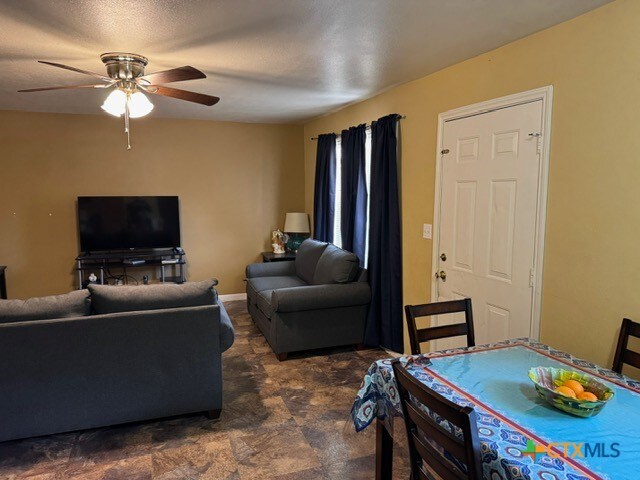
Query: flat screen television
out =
(125, 223)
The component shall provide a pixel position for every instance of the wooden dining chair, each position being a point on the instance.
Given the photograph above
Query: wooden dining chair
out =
(623, 355)
(418, 336)
(424, 433)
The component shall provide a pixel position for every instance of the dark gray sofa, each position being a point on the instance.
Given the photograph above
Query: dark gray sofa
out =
(125, 354)
(319, 300)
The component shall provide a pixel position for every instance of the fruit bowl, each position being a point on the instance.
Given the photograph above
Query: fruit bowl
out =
(548, 379)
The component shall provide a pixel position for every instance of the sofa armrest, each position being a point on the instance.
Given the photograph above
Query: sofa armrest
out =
(227, 334)
(316, 297)
(271, 269)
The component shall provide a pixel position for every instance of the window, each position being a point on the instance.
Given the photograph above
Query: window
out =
(337, 217)
(337, 234)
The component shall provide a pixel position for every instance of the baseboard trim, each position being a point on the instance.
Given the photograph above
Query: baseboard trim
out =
(231, 297)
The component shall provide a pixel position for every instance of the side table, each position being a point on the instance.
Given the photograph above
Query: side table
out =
(3, 282)
(278, 257)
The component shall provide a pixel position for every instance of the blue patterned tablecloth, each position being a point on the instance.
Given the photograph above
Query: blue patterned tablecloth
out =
(522, 436)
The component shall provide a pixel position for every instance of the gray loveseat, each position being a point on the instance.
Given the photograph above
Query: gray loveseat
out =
(319, 300)
(110, 355)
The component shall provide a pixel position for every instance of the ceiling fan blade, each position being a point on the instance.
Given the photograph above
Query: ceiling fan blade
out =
(182, 94)
(74, 69)
(69, 87)
(174, 75)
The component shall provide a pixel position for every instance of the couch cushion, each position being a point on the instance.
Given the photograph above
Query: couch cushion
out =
(264, 302)
(72, 304)
(258, 284)
(112, 299)
(336, 266)
(307, 258)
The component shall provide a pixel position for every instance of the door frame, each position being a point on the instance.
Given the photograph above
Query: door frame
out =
(545, 94)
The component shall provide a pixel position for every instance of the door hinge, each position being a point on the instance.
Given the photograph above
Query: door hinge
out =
(444, 151)
(532, 277)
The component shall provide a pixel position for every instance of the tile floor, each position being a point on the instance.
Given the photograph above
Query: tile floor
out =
(280, 420)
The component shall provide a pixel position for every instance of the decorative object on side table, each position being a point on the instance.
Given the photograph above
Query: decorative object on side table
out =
(279, 241)
(297, 226)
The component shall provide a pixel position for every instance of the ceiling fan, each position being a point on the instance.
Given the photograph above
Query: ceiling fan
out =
(125, 74)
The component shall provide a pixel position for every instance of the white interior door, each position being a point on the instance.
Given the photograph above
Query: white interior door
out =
(488, 216)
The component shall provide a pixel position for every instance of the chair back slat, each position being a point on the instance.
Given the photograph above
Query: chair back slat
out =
(443, 407)
(631, 358)
(424, 476)
(420, 426)
(623, 355)
(437, 308)
(441, 331)
(418, 336)
(449, 441)
(434, 459)
(634, 328)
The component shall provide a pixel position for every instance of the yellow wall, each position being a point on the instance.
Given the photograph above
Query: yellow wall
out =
(592, 260)
(235, 183)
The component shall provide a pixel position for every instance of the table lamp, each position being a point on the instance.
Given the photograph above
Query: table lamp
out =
(297, 226)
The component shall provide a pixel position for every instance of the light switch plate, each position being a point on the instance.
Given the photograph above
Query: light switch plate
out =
(426, 231)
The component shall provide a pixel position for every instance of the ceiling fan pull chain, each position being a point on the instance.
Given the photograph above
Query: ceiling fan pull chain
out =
(126, 123)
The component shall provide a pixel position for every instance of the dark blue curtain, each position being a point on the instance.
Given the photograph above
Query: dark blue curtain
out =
(384, 322)
(353, 219)
(325, 188)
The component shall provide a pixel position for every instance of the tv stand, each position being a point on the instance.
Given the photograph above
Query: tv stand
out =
(101, 263)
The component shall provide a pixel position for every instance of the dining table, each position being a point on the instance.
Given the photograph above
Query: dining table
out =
(521, 435)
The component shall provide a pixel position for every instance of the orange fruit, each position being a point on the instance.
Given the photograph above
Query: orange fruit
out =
(566, 391)
(587, 396)
(574, 385)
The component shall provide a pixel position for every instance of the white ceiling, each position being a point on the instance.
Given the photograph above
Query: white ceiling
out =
(268, 60)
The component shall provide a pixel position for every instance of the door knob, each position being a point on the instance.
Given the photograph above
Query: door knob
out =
(442, 275)
(443, 257)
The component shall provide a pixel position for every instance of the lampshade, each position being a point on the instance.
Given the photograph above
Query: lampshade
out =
(296, 223)
(139, 105)
(115, 104)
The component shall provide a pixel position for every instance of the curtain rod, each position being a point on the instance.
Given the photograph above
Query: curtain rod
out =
(367, 126)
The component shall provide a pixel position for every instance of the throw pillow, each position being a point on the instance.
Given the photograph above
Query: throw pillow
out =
(336, 266)
(307, 258)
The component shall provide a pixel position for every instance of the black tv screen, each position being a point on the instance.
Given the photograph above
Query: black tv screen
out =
(122, 223)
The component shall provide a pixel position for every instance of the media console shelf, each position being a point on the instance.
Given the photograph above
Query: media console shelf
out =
(101, 263)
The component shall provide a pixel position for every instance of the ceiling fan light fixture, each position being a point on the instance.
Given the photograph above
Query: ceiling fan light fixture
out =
(115, 103)
(126, 74)
(139, 105)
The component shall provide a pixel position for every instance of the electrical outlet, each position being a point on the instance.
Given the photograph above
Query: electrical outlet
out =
(426, 231)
